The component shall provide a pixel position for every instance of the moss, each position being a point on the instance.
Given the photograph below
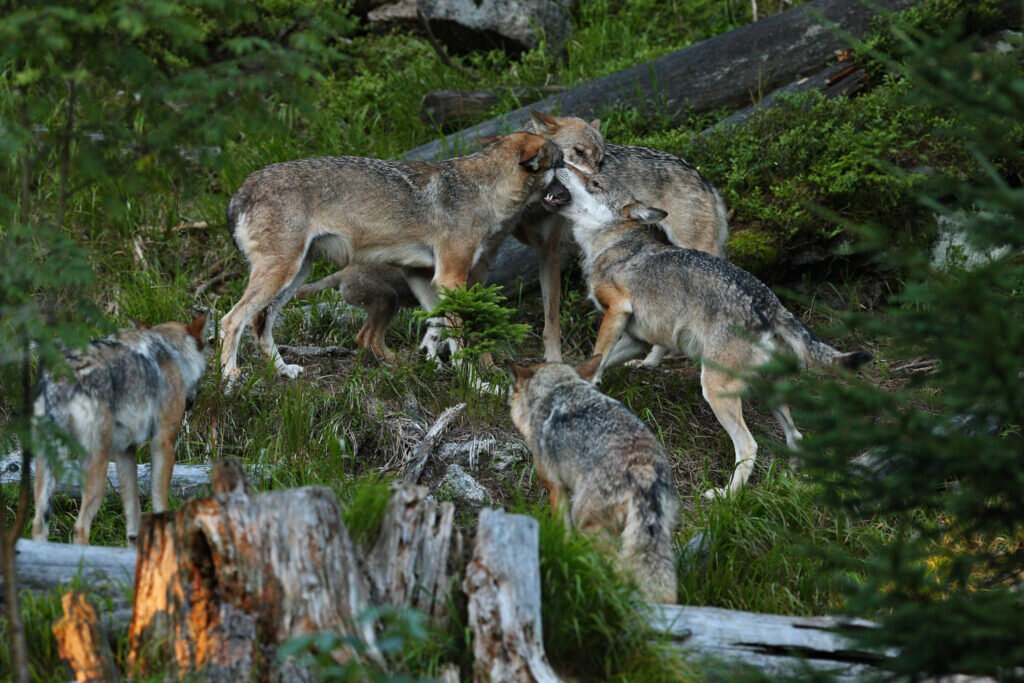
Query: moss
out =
(754, 249)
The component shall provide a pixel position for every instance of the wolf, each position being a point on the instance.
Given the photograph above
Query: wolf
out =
(123, 391)
(697, 216)
(603, 468)
(683, 299)
(380, 290)
(448, 217)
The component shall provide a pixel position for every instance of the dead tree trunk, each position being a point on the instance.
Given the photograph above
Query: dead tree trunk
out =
(45, 566)
(503, 586)
(777, 645)
(81, 641)
(223, 582)
(415, 557)
(447, 108)
(723, 71)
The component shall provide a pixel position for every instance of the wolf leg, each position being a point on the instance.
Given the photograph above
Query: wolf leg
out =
(268, 278)
(329, 282)
(614, 322)
(722, 392)
(162, 451)
(94, 477)
(45, 484)
(551, 289)
(425, 294)
(263, 323)
(652, 360)
(127, 478)
(793, 434)
(626, 348)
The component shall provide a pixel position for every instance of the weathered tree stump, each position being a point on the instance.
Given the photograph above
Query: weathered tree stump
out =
(414, 558)
(223, 582)
(503, 585)
(81, 642)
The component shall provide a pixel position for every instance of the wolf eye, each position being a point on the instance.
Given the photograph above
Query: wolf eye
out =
(578, 150)
(596, 185)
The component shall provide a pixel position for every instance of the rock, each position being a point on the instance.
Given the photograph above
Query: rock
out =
(694, 556)
(463, 488)
(466, 25)
(502, 451)
(953, 248)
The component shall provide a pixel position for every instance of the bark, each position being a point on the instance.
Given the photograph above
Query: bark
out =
(412, 471)
(780, 646)
(414, 559)
(81, 642)
(223, 582)
(716, 73)
(446, 108)
(503, 585)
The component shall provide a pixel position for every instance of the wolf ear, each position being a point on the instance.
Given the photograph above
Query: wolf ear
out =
(531, 154)
(544, 123)
(489, 140)
(139, 325)
(596, 125)
(517, 373)
(588, 368)
(196, 327)
(643, 213)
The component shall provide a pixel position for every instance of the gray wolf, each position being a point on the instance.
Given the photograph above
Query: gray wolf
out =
(379, 290)
(123, 391)
(683, 299)
(448, 217)
(603, 468)
(696, 212)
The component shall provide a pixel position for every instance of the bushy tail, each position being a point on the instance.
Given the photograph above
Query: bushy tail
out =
(647, 541)
(722, 227)
(811, 350)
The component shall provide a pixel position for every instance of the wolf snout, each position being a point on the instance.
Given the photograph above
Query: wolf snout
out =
(556, 195)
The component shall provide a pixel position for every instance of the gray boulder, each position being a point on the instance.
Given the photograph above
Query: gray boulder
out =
(466, 25)
(462, 488)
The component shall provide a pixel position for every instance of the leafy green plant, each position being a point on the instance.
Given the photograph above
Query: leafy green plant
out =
(477, 319)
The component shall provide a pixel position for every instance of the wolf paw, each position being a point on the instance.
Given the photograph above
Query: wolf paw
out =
(635, 363)
(711, 494)
(290, 371)
(431, 342)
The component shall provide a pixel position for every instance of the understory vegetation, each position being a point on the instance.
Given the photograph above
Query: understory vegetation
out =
(834, 203)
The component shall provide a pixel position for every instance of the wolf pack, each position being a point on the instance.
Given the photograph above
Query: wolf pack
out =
(651, 233)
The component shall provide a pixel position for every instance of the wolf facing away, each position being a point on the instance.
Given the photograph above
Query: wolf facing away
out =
(683, 299)
(696, 217)
(602, 467)
(448, 217)
(123, 391)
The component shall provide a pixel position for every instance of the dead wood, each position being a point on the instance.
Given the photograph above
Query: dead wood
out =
(414, 468)
(312, 351)
(223, 582)
(44, 566)
(81, 642)
(503, 586)
(448, 108)
(415, 556)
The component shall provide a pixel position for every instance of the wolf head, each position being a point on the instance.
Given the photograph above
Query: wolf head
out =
(530, 384)
(592, 202)
(536, 157)
(190, 345)
(581, 142)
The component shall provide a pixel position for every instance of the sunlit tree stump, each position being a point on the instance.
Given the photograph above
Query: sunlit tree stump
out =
(221, 583)
(81, 642)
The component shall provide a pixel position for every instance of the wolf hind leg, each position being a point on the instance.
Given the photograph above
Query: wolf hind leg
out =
(45, 483)
(263, 323)
(128, 481)
(94, 477)
(628, 347)
(653, 359)
(793, 435)
(722, 391)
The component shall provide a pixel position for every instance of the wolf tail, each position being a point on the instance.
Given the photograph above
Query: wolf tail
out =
(232, 214)
(647, 541)
(811, 350)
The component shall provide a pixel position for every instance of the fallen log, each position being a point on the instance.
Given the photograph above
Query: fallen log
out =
(446, 108)
(715, 73)
(223, 582)
(82, 645)
(414, 468)
(777, 645)
(838, 80)
(415, 555)
(41, 566)
(503, 586)
(187, 481)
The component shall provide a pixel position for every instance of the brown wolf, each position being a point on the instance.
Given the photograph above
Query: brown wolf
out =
(448, 217)
(124, 391)
(602, 467)
(683, 299)
(696, 213)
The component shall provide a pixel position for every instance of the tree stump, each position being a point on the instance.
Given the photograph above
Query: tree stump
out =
(413, 560)
(81, 642)
(503, 586)
(221, 583)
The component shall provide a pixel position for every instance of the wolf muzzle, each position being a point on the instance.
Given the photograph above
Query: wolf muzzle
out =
(556, 196)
